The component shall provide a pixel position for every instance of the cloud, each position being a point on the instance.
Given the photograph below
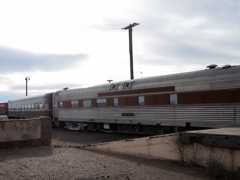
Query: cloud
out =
(48, 87)
(18, 91)
(13, 60)
(190, 32)
(173, 36)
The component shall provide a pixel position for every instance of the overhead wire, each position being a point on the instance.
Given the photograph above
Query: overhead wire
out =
(102, 26)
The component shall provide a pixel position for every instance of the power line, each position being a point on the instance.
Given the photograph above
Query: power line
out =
(101, 26)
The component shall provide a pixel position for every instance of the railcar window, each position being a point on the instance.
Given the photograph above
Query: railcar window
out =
(61, 104)
(141, 100)
(46, 106)
(74, 104)
(36, 106)
(87, 103)
(115, 102)
(41, 105)
(101, 102)
(173, 99)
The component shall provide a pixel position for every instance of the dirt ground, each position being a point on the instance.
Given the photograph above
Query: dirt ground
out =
(67, 159)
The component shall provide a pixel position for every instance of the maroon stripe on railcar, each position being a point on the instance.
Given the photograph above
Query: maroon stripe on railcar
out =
(128, 101)
(109, 101)
(66, 104)
(94, 103)
(80, 103)
(206, 97)
(158, 99)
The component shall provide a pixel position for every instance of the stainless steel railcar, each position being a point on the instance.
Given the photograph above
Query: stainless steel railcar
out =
(30, 107)
(207, 98)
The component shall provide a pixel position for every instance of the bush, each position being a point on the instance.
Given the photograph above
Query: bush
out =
(217, 171)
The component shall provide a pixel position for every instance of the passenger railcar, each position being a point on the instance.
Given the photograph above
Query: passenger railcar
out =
(30, 107)
(3, 108)
(207, 98)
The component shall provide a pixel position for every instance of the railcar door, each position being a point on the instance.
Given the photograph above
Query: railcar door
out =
(55, 108)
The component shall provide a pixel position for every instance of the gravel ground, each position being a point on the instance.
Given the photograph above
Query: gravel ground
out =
(74, 163)
(63, 161)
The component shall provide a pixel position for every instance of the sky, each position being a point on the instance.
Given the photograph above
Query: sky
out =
(76, 43)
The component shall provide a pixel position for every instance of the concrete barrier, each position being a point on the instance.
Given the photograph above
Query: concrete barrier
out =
(170, 147)
(206, 155)
(158, 147)
(214, 146)
(26, 132)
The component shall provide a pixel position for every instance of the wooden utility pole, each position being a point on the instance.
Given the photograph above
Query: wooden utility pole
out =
(129, 27)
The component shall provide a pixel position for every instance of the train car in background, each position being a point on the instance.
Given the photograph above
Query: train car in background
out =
(30, 107)
(3, 108)
(207, 98)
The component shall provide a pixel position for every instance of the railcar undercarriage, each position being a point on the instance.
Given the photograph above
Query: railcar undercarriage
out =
(125, 128)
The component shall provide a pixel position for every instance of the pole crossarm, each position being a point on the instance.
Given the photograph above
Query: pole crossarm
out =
(130, 26)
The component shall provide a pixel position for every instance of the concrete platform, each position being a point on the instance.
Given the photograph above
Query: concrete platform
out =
(223, 137)
(222, 131)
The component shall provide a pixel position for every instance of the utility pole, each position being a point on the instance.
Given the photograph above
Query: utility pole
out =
(27, 79)
(129, 27)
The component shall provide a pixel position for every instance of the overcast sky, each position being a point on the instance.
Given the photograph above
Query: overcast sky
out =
(77, 43)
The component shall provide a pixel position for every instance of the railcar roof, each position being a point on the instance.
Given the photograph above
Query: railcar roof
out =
(30, 97)
(193, 76)
(171, 79)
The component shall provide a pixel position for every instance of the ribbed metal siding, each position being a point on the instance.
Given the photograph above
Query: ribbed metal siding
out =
(198, 116)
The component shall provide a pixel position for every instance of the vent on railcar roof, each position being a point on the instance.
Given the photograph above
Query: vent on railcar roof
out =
(212, 66)
(226, 66)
